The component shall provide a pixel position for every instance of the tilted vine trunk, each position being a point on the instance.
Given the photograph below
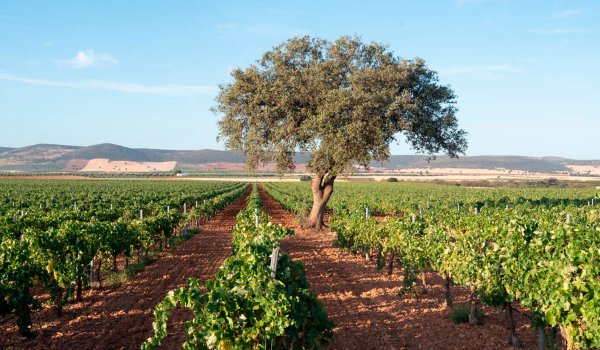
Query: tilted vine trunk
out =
(391, 264)
(448, 297)
(513, 340)
(99, 274)
(78, 288)
(566, 333)
(322, 189)
(58, 293)
(473, 319)
(379, 254)
(24, 321)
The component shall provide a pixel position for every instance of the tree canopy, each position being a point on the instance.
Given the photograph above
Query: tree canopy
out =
(343, 102)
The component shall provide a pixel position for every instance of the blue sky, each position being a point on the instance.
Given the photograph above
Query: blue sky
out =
(145, 73)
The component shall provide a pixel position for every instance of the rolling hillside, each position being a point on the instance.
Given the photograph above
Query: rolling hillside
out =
(46, 157)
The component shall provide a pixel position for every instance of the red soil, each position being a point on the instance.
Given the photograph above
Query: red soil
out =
(364, 304)
(121, 318)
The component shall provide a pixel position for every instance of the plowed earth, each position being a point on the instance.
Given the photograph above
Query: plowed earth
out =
(121, 318)
(364, 304)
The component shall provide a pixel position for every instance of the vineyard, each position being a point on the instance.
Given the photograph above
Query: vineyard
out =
(531, 254)
(58, 235)
(536, 248)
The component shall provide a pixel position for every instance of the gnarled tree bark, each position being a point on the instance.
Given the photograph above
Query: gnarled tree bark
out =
(322, 189)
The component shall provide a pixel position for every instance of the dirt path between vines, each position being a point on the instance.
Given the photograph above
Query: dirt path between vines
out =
(364, 304)
(121, 318)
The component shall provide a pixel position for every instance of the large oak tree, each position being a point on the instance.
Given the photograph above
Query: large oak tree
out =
(343, 102)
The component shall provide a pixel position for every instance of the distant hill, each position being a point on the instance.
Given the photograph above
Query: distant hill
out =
(530, 164)
(48, 157)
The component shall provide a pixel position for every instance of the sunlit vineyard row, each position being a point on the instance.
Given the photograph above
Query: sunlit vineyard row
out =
(52, 232)
(539, 248)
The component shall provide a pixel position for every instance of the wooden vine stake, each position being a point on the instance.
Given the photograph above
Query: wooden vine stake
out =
(274, 259)
(92, 271)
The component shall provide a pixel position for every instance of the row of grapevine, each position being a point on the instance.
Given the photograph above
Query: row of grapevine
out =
(538, 248)
(60, 246)
(260, 299)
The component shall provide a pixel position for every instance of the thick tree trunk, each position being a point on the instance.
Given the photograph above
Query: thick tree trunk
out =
(322, 189)
(513, 340)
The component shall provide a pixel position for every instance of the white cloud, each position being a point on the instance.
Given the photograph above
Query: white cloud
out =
(47, 43)
(481, 72)
(236, 28)
(568, 13)
(558, 31)
(161, 89)
(467, 2)
(87, 58)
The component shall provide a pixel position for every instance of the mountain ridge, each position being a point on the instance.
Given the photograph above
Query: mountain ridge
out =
(54, 157)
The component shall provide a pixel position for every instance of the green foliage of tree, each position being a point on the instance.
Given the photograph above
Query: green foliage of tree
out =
(344, 102)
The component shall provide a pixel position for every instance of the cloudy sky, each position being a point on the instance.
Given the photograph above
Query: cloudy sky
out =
(145, 73)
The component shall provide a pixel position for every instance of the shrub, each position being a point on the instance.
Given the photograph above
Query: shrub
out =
(306, 178)
(391, 179)
(460, 314)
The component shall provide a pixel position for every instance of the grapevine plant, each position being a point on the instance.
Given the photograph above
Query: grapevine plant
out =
(245, 307)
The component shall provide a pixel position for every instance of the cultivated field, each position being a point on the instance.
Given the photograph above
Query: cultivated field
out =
(401, 266)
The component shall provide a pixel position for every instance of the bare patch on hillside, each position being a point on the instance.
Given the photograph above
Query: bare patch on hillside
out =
(585, 169)
(242, 166)
(75, 164)
(123, 166)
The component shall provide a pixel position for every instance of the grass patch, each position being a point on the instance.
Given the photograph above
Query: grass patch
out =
(460, 314)
(120, 277)
(184, 236)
